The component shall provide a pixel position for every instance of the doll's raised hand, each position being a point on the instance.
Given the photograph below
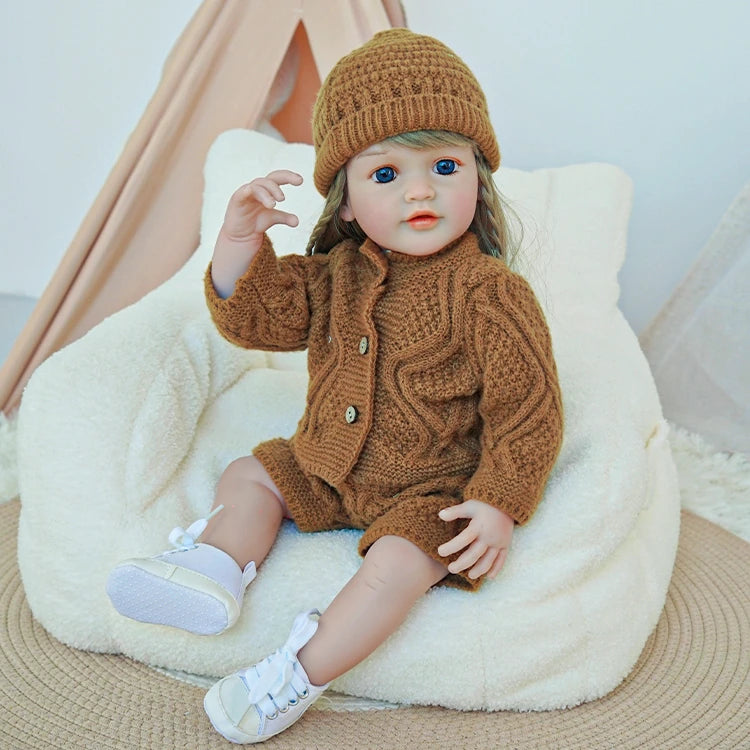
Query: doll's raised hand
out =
(485, 540)
(252, 207)
(251, 212)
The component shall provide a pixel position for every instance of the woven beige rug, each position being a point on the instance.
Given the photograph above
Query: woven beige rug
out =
(690, 688)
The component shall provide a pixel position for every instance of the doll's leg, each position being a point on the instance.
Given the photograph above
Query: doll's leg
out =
(258, 702)
(199, 586)
(249, 522)
(372, 605)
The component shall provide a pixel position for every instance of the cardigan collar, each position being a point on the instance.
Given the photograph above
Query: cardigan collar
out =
(466, 246)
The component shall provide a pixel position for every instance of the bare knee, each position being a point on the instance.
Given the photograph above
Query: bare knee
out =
(395, 562)
(248, 471)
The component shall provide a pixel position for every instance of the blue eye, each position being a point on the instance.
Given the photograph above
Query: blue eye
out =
(445, 166)
(384, 174)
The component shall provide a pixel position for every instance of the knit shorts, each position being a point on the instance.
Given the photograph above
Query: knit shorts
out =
(411, 514)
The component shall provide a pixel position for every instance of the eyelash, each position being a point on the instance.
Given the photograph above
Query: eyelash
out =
(391, 172)
(455, 164)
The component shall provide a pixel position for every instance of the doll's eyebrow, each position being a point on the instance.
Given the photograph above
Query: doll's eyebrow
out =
(374, 150)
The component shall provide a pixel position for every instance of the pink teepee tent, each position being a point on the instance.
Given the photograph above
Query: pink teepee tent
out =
(144, 224)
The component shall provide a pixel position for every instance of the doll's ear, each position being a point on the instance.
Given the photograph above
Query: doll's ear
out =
(345, 211)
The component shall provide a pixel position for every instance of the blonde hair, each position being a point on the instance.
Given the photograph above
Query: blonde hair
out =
(490, 223)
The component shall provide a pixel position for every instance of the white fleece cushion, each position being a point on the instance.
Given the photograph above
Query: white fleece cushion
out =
(124, 434)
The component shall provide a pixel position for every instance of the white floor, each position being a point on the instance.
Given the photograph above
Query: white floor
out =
(14, 311)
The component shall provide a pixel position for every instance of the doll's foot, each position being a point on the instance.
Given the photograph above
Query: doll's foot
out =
(256, 703)
(195, 587)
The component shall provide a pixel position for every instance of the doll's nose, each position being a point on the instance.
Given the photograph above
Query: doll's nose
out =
(418, 189)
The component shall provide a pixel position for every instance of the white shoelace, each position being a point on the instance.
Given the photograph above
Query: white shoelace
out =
(184, 539)
(274, 684)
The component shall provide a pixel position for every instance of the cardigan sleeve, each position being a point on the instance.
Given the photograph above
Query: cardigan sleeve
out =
(269, 307)
(520, 404)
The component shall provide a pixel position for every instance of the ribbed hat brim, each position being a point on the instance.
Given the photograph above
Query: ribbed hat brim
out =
(376, 123)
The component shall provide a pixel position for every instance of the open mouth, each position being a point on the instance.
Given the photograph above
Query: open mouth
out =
(422, 220)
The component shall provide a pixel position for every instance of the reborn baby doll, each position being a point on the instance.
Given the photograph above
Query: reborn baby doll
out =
(433, 412)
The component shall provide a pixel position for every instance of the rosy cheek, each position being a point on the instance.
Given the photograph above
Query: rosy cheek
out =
(372, 217)
(468, 207)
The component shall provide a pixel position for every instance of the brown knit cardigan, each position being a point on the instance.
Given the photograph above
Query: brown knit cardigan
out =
(420, 367)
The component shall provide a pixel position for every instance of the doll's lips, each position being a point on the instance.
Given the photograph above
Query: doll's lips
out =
(422, 220)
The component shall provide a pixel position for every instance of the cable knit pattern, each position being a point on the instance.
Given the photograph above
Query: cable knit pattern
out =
(420, 368)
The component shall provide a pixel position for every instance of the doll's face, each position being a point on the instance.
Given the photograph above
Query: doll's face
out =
(412, 201)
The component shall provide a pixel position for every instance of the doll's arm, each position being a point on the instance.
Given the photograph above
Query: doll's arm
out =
(250, 213)
(485, 540)
(521, 405)
(270, 306)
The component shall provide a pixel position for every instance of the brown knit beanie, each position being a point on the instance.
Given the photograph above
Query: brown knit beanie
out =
(398, 82)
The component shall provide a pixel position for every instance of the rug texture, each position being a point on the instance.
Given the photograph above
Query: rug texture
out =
(689, 689)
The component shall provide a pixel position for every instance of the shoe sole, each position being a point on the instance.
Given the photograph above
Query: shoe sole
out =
(152, 591)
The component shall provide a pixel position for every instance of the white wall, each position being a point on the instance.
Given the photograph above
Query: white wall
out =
(75, 77)
(659, 88)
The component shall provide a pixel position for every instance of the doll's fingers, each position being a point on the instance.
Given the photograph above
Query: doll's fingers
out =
(285, 177)
(272, 189)
(499, 562)
(468, 558)
(267, 192)
(485, 563)
(267, 189)
(464, 539)
(291, 220)
(462, 510)
(256, 191)
(271, 218)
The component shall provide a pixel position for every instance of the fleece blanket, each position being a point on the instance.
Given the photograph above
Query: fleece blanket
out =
(123, 435)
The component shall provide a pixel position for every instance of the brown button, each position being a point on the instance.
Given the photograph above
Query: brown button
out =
(364, 345)
(351, 414)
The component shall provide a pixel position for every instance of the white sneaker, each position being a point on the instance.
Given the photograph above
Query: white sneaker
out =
(256, 703)
(195, 587)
